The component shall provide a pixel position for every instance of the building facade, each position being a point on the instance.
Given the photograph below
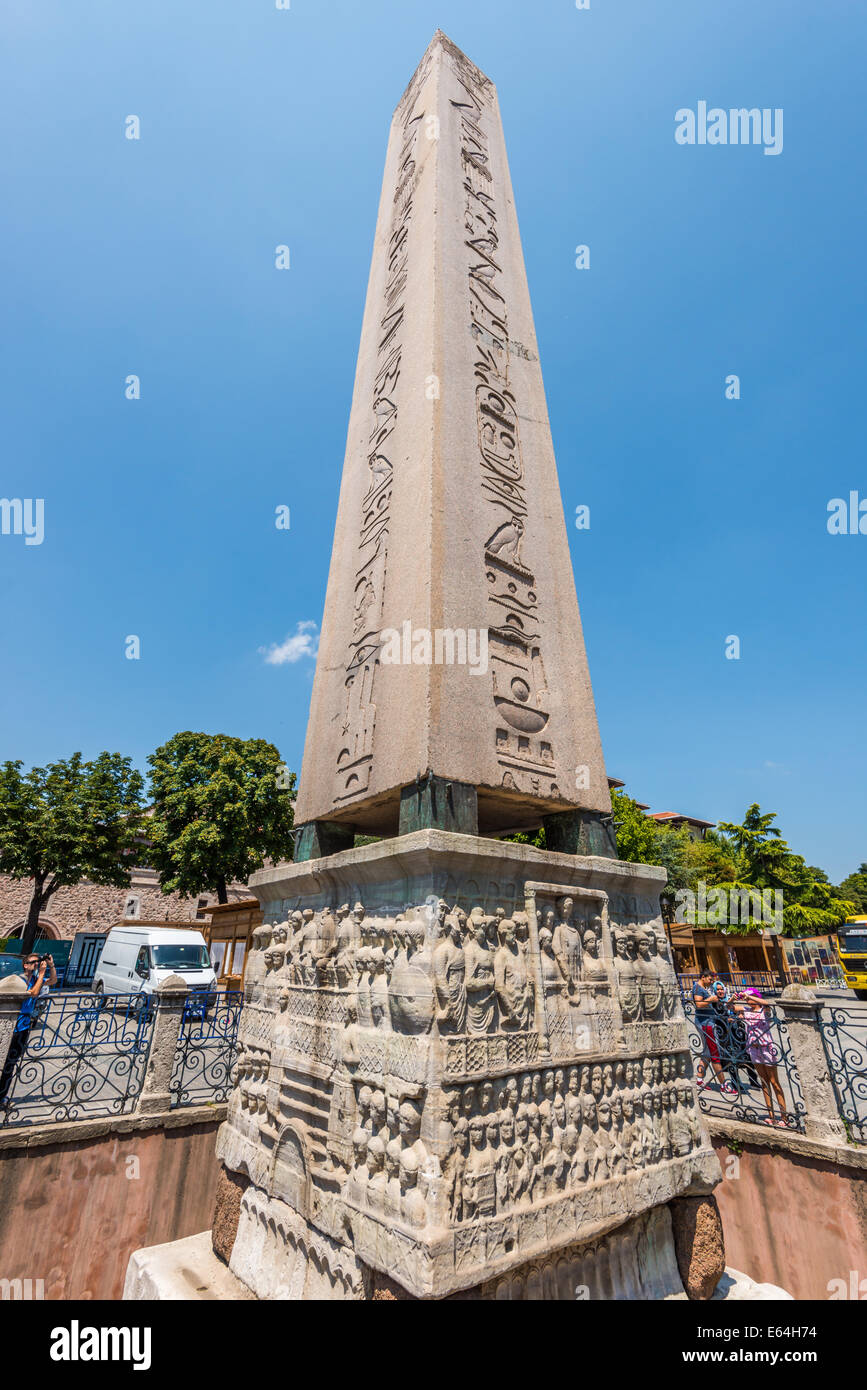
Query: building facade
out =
(90, 907)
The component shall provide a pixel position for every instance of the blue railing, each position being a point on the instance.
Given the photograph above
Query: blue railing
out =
(207, 1048)
(81, 1056)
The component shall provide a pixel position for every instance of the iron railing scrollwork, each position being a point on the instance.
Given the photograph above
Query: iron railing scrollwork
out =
(207, 1048)
(844, 1038)
(731, 1083)
(83, 1056)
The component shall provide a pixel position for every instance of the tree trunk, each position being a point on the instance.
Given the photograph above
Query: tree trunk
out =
(31, 929)
(222, 892)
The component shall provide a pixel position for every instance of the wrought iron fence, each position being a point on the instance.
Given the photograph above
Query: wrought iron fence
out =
(82, 1056)
(746, 1074)
(844, 1037)
(207, 1048)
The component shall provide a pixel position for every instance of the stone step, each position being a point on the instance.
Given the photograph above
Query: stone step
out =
(309, 1095)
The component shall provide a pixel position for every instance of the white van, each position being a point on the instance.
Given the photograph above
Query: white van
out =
(138, 959)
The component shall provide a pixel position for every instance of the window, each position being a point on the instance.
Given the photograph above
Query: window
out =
(181, 957)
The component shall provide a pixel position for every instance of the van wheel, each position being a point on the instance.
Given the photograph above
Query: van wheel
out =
(98, 988)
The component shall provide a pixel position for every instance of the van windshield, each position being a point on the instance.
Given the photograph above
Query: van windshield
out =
(192, 957)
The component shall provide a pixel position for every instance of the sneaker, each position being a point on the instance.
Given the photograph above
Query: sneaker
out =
(729, 1090)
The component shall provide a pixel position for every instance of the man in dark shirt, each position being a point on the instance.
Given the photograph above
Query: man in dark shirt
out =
(33, 974)
(706, 1007)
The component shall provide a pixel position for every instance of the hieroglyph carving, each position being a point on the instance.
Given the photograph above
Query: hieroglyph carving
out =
(355, 752)
(520, 695)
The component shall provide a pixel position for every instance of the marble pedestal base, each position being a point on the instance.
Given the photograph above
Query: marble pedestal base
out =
(457, 1056)
(637, 1264)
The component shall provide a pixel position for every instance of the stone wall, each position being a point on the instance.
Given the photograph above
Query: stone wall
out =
(74, 1210)
(67, 911)
(794, 1210)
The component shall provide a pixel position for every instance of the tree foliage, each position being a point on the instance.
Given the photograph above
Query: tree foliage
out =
(67, 822)
(741, 857)
(855, 888)
(221, 807)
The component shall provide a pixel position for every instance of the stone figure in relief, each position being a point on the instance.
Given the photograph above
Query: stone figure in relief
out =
(479, 1175)
(649, 982)
(413, 1209)
(409, 1121)
(596, 1153)
(392, 1194)
(411, 998)
(449, 972)
(363, 970)
(278, 946)
(347, 940)
(567, 943)
(505, 1160)
(627, 980)
(479, 978)
(341, 1113)
(554, 983)
(357, 1180)
(522, 934)
(379, 1010)
(376, 1178)
(455, 1168)
(512, 981)
(593, 968)
(668, 978)
(255, 974)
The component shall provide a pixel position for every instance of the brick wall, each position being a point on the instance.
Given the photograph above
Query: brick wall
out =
(67, 910)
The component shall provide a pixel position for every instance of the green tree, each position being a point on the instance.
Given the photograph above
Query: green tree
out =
(855, 888)
(810, 903)
(635, 832)
(221, 807)
(67, 822)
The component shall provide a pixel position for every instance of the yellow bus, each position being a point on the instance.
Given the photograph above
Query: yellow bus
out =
(852, 950)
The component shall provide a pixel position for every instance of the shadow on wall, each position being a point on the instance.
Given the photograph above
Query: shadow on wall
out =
(91, 1202)
(793, 1220)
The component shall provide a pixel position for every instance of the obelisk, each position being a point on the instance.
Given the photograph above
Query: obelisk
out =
(451, 652)
(463, 1063)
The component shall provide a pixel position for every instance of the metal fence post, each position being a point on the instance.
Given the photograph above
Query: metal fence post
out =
(822, 1119)
(155, 1095)
(12, 991)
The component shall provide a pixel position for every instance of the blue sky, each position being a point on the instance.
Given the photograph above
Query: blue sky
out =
(261, 127)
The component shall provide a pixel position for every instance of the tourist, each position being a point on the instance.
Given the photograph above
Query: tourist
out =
(707, 1010)
(763, 1052)
(33, 974)
(732, 1040)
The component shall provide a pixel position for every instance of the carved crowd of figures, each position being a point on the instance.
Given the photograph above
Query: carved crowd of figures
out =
(520, 1140)
(470, 973)
(250, 1075)
(391, 1169)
